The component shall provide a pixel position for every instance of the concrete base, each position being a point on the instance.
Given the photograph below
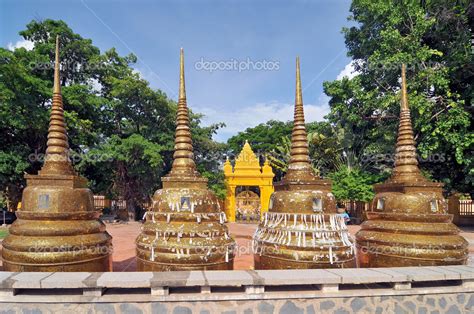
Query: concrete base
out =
(447, 289)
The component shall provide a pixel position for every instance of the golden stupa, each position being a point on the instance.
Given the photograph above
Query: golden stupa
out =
(409, 224)
(185, 229)
(57, 227)
(301, 228)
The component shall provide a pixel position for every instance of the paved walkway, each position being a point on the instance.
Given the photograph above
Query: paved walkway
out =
(124, 236)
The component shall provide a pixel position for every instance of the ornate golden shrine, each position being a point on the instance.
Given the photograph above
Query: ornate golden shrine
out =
(247, 172)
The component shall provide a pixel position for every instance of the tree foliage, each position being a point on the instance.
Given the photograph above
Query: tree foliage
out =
(120, 129)
(271, 140)
(353, 184)
(433, 39)
(263, 138)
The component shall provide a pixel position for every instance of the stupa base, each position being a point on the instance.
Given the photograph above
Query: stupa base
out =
(396, 240)
(143, 265)
(100, 264)
(371, 258)
(378, 260)
(262, 262)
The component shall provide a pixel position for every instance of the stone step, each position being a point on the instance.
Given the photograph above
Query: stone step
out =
(235, 283)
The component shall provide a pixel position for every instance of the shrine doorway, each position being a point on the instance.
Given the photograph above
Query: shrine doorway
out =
(247, 204)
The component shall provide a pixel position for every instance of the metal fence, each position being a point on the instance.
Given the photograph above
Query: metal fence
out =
(101, 202)
(355, 209)
(466, 207)
(462, 210)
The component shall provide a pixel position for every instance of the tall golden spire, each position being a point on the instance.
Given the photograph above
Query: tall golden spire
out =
(409, 214)
(182, 84)
(285, 238)
(183, 163)
(299, 139)
(57, 151)
(57, 211)
(184, 230)
(57, 82)
(406, 164)
(404, 98)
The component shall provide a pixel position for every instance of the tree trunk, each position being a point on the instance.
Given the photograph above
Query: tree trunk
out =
(13, 196)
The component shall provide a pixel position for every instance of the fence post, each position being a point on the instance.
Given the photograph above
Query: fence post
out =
(453, 207)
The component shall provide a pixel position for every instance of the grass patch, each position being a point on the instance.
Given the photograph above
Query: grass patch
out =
(3, 233)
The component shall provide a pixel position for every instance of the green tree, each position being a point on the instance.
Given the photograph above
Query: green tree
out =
(121, 130)
(209, 154)
(279, 157)
(272, 140)
(353, 184)
(351, 179)
(439, 71)
(23, 122)
(263, 138)
(326, 144)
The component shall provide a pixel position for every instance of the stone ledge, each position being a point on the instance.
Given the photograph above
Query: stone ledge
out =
(131, 280)
(237, 285)
(297, 277)
(163, 295)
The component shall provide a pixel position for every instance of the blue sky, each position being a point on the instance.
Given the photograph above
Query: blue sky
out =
(262, 37)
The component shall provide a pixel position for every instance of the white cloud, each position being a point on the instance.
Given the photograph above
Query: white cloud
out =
(348, 71)
(144, 73)
(238, 119)
(95, 84)
(28, 45)
(137, 71)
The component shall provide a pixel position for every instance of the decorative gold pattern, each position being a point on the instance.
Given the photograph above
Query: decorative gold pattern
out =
(57, 227)
(247, 161)
(409, 225)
